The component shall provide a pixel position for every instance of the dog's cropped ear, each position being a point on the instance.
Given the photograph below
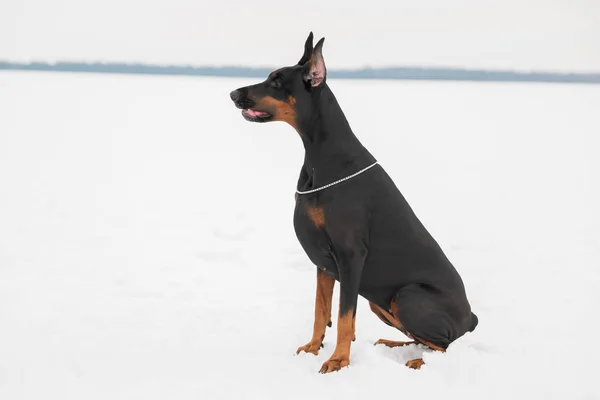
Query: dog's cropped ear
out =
(308, 48)
(315, 71)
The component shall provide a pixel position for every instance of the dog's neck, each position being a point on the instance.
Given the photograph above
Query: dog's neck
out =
(332, 151)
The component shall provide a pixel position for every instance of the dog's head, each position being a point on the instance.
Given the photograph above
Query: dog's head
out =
(287, 94)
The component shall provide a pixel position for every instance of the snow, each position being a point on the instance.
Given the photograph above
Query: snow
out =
(147, 248)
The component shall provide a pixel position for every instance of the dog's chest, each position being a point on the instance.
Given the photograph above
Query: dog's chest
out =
(310, 222)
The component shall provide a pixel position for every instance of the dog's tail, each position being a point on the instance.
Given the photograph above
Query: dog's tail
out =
(474, 322)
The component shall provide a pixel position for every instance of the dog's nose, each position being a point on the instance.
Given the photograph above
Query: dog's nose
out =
(235, 95)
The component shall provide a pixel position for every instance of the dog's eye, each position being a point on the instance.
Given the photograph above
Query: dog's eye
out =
(276, 82)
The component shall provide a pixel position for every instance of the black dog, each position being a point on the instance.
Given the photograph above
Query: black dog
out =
(359, 231)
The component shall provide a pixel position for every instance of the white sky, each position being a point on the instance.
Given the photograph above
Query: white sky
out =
(514, 34)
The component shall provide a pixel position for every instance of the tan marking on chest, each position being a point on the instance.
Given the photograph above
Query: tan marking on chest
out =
(317, 216)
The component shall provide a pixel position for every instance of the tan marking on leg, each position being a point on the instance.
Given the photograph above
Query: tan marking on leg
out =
(394, 343)
(391, 320)
(387, 317)
(376, 310)
(415, 364)
(430, 345)
(341, 355)
(325, 285)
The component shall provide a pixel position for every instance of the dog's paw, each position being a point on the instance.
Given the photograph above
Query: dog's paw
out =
(334, 364)
(310, 347)
(415, 364)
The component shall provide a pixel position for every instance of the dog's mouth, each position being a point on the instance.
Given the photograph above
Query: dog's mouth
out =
(255, 115)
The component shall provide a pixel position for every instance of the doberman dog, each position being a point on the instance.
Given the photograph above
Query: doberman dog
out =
(354, 224)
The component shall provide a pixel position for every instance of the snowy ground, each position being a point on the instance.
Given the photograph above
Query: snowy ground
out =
(147, 249)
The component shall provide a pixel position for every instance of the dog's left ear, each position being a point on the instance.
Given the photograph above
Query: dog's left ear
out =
(308, 48)
(315, 71)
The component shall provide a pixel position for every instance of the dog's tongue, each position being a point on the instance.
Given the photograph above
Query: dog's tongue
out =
(257, 113)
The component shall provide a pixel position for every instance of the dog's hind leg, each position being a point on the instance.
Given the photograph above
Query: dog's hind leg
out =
(391, 320)
(433, 318)
(418, 321)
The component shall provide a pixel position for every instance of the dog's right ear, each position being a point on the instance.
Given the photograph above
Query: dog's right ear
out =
(315, 72)
(308, 49)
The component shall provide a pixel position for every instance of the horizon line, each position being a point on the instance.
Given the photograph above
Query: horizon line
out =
(386, 73)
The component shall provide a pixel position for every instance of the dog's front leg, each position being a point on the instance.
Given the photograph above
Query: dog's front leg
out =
(325, 285)
(350, 265)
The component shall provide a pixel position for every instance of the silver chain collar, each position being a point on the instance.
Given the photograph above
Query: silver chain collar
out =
(338, 181)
